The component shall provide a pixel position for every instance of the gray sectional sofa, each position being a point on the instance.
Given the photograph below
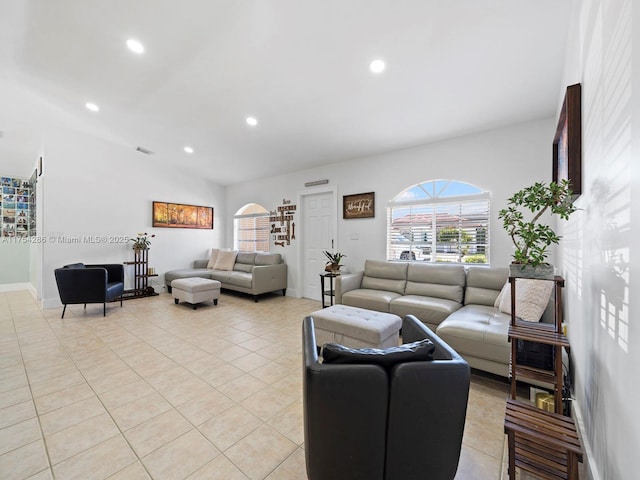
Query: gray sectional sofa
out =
(253, 273)
(456, 302)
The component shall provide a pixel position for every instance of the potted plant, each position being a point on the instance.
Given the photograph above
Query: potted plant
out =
(333, 265)
(142, 241)
(531, 237)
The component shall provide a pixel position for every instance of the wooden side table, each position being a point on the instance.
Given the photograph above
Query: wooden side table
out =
(327, 293)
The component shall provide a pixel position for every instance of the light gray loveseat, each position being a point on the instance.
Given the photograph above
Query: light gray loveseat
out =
(456, 302)
(253, 273)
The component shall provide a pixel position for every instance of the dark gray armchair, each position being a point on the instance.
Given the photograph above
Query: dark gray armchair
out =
(371, 422)
(79, 283)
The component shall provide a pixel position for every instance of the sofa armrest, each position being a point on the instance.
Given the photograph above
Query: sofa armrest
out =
(269, 278)
(347, 282)
(342, 405)
(200, 263)
(439, 390)
(427, 410)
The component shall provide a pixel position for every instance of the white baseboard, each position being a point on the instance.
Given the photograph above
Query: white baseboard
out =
(50, 303)
(591, 470)
(15, 287)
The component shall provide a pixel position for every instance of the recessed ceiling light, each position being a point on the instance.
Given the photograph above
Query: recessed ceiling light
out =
(252, 121)
(92, 106)
(377, 66)
(188, 149)
(135, 46)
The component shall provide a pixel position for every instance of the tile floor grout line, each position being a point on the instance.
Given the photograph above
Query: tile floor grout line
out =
(113, 337)
(108, 412)
(173, 407)
(33, 402)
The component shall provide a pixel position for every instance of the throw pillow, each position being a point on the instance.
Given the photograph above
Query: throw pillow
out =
(506, 290)
(419, 351)
(225, 260)
(213, 258)
(532, 297)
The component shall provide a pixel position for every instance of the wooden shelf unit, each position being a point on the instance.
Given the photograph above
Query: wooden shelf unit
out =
(539, 332)
(141, 276)
(541, 442)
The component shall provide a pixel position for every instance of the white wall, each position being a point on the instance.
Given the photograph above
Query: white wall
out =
(95, 188)
(15, 261)
(600, 251)
(501, 161)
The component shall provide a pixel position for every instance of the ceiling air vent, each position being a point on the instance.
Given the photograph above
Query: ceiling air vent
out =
(146, 151)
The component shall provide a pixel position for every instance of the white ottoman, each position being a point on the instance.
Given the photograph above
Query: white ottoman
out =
(356, 327)
(195, 290)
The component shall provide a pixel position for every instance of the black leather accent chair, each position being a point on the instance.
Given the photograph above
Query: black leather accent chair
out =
(367, 422)
(79, 283)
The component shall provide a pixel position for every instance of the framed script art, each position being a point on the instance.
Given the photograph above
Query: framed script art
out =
(178, 215)
(361, 205)
(567, 143)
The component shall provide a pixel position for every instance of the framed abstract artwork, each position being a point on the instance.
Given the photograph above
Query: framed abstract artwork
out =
(567, 143)
(179, 215)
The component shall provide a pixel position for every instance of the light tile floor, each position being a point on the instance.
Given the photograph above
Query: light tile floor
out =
(158, 390)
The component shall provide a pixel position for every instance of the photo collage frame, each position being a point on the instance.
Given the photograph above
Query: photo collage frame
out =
(17, 207)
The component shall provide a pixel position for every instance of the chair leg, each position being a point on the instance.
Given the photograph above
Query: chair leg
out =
(120, 300)
(104, 309)
(85, 306)
(63, 310)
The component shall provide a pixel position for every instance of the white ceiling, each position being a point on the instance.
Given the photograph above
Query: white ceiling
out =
(299, 66)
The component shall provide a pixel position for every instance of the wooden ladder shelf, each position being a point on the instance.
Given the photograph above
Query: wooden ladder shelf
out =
(541, 442)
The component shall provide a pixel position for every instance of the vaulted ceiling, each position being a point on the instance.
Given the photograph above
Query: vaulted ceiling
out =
(299, 67)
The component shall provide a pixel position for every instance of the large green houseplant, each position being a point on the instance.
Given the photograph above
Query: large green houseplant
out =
(531, 237)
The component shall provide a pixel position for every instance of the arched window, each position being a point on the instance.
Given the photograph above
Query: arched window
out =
(251, 229)
(439, 221)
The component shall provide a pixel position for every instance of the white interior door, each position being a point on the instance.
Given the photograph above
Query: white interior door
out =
(318, 235)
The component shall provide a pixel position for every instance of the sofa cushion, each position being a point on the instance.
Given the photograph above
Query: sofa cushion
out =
(226, 259)
(247, 258)
(268, 259)
(377, 300)
(419, 351)
(212, 259)
(387, 276)
(479, 331)
(241, 279)
(220, 275)
(484, 284)
(440, 281)
(242, 267)
(532, 297)
(430, 310)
